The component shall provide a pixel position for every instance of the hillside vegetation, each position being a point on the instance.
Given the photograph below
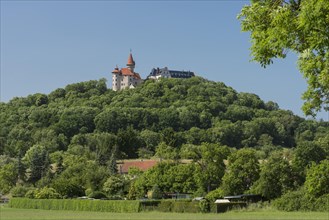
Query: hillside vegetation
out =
(66, 143)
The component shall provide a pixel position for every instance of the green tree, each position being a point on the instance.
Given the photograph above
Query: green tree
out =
(305, 154)
(38, 162)
(275, 177)
(155, 193)
(76, 120)
(242, 171)
(151, 139)
(300, 26)
(47, 193)
(317, 179)
(69, 188)
(210, 160)
(166, 152)
(95, 176)
(8, 177)
(129, 141)
(182, 178)
(115, 185)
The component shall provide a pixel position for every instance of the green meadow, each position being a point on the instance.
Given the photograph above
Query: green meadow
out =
(7, 213)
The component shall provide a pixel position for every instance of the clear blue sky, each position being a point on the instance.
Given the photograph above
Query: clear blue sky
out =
(47, 45)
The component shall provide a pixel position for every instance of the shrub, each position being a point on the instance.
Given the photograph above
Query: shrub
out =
(184, 206)
(178, 206)
(322, 203)
(301, 201)
(223, 207)
(97, 195)
(215, 194)
(68, 188)
(204, 206)
(31, 193)
(19, 191)
(155, 193)
(149, 205)
(47, 193)
(165, 206)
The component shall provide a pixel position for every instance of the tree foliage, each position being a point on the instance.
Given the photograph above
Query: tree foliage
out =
(317, 179)
(242, 172)
(275, 177)
(72, 139)
(300, 26)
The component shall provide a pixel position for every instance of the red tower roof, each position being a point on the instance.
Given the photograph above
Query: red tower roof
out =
(116, 70)
(131, 61)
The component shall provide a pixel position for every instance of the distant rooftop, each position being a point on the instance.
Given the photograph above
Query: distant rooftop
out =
(157, 73)
(143, 165)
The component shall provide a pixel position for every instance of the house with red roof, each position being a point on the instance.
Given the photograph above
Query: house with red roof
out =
(143, 165)
(126, 77)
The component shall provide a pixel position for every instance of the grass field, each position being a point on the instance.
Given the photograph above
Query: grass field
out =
(37, 214)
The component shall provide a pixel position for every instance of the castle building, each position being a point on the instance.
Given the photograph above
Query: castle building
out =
(126, 77)
(166, 73)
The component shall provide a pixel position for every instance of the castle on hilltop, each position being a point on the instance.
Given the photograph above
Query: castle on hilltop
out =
(127, 77)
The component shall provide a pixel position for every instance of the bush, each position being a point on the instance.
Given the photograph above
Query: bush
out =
(155, 193)
(322, 203)
(291, 201)
(215, 194)
(182, 206)
(31, 193)
(204, 206)
(165, 206)
(47, 193)
(223, 207)
(178, 206)
(97, 195)
(68, 188)
(301, 201)
(149, 205)
(19, 191)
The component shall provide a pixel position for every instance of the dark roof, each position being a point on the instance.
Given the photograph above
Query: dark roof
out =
(172, 73)
(242, 196)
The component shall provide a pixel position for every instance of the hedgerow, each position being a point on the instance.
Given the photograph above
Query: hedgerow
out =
(107, 205)
(76, 205)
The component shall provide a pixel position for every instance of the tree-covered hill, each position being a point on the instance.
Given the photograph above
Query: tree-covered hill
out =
(172, 110)
(73, 136)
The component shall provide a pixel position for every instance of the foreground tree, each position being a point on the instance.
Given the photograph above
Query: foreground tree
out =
(210, 160)
(8, 177)
(275, 177)
(305, 154)
(297, 25)
(317, 179)
(242, 171)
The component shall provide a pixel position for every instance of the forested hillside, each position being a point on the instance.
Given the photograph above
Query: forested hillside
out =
(67, 143)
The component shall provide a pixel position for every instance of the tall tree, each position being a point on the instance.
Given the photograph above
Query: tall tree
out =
(210, 160)
(275, 177)
(242, 171)
(300, 26)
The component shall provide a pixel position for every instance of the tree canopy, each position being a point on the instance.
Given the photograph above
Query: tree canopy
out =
(300, 26)
(203, 135)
